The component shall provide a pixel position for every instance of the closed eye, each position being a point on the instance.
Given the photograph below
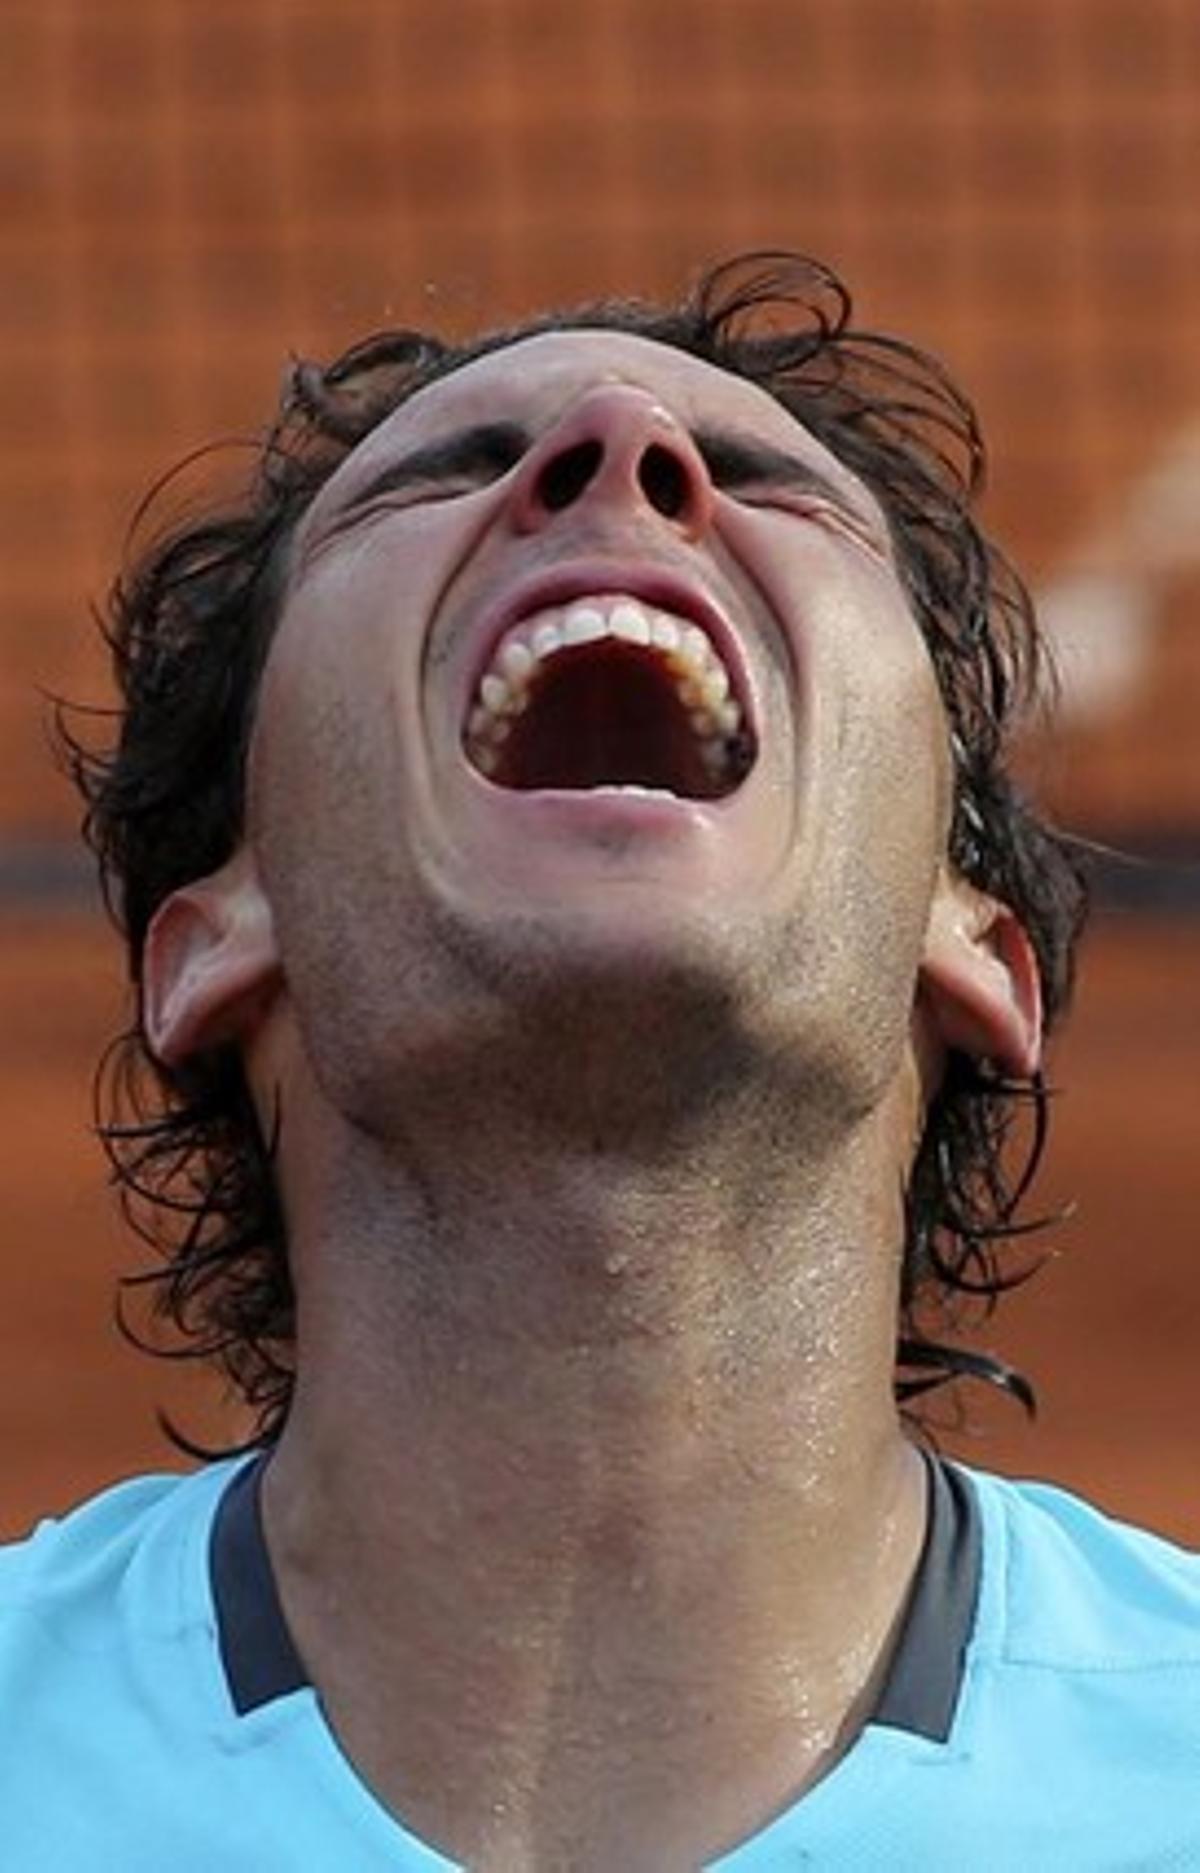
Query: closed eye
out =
(761, 473)
(452, 465)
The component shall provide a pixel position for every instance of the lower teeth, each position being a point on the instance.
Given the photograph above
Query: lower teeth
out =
(632, 789)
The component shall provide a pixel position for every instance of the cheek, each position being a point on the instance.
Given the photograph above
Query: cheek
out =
(894, 758)
(868, 653)
(325, 798)
(882, 753)
(343, 667)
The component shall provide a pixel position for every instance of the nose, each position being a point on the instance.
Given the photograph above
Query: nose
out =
(619, 449)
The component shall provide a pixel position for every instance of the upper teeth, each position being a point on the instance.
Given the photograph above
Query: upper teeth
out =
(701, 678)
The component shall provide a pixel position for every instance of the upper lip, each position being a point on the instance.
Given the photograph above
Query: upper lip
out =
(663, 587)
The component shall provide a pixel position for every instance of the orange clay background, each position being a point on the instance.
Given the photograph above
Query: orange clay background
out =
(189, 193)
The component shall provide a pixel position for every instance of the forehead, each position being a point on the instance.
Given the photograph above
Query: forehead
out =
(535, 380)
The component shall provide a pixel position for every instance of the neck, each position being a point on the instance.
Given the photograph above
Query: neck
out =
(593, 1495)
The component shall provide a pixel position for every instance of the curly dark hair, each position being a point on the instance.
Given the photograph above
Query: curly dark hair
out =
(189, 625)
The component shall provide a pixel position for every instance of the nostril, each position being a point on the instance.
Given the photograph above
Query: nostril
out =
(664, 481)
(564, 478)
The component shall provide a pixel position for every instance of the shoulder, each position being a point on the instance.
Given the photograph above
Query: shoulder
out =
(1077, 1729)
(107, 1686)
(1069, 1586)
(115, 1563)
(87, 1525)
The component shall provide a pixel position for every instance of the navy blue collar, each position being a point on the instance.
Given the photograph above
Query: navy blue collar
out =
(262, 1664)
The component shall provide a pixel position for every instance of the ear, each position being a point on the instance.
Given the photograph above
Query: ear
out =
(210, 962)
(979, 979)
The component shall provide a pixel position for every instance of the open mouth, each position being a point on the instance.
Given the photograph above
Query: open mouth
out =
(607, 692)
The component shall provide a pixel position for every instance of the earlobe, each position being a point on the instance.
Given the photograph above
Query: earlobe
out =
(210, 963)
(979, 979)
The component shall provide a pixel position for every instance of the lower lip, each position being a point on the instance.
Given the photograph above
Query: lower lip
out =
(608, 808)
(538, 845)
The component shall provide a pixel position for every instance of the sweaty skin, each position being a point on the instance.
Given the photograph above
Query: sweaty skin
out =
(593, 1520)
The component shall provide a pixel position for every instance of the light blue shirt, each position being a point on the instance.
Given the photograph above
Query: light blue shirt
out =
(1074, 1744)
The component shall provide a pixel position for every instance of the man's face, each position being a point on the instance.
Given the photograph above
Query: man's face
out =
(594, 665)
